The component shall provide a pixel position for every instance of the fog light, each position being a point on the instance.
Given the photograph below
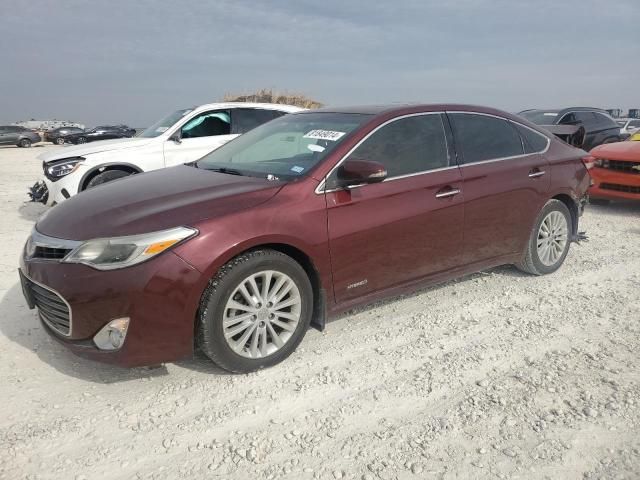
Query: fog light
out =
(112, 335)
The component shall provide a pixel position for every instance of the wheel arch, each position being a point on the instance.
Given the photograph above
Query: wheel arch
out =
(297, 253)
(573, 209)
(318, 319)
(103, 167)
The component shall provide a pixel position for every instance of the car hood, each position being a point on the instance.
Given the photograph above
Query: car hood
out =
(93, 147)
(623, 151)
(154, 201)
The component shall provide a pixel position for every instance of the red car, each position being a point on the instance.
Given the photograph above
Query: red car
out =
(616, 171)
(307, 215)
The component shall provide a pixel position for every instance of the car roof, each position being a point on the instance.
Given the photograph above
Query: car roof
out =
(263, 106)
(409, 108)
(567, 109)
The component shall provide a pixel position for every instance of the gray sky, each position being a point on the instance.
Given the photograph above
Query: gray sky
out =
(134, 61)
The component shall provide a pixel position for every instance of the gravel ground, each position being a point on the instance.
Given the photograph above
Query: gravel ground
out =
(496, 375)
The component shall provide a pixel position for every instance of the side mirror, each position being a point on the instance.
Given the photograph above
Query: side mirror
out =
(358, 172)
(176, 137)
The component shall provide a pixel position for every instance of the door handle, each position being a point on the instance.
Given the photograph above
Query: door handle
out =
(447, 193)
(536, 173)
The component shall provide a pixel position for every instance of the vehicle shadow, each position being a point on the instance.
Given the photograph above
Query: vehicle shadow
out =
(33, 145)
(503, 270)
(622, 208)
(22, 326)
(32, 211)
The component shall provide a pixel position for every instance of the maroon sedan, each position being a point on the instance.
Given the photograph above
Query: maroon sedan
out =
(307, 215)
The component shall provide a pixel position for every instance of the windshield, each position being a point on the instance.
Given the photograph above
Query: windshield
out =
(284, 148)
(539, 117)
(165, 124)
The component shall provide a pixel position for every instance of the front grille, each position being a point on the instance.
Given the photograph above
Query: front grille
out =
(51, 306)
(620, 166)
(620, 188)
(50, 253)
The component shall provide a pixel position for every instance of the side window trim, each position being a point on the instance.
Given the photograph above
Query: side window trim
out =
(452, 162)
(500, 158)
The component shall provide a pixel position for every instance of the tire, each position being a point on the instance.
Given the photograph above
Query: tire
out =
(24, 143)
(106, 176)
(225, 287)
(81, 140)
(556, 215)
(59, 141)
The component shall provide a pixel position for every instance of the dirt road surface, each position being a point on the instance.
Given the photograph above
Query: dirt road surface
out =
(496, 375)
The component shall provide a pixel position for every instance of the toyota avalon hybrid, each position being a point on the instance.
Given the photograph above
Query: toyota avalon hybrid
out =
(313, 213)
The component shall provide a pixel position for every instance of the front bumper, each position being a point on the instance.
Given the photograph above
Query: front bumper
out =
(60, 190)
(611, 184)
(160, 297)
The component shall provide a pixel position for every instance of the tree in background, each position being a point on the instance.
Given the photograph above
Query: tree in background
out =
(269, 96)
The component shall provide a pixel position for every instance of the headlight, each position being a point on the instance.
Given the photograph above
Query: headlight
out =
(63, 167)
(120, 252)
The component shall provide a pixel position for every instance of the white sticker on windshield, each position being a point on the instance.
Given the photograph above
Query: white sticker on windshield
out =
(297, 169)
(315, 148)
(324, 135)
(162, 129)
(550, 114)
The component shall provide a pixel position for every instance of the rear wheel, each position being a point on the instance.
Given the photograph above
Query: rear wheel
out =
(548, 245)
(107, 176)
(255, 311)
(59, 141)
(24, 143)
(81, 140)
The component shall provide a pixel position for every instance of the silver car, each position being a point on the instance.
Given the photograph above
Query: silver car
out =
(20, 136)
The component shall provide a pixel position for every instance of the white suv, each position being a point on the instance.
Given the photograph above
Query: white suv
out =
(629, 126)
(182, 137)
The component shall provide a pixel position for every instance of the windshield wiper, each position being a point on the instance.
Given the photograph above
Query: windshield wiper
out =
(229, 171)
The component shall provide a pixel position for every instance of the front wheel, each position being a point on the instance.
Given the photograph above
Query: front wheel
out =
(548, 245)
(24, 143)
(81, 140)
(255, 311)
(59, 141)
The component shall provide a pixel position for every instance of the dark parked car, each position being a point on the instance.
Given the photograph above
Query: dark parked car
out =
(101, 133)
(599, 126)
(310, 214)
(60, 134)
(20, 136)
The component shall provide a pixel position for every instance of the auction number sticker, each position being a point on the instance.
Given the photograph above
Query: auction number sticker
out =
(324, 135)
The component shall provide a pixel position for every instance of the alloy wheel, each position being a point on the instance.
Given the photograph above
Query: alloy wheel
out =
(553, 235)
(262, 314)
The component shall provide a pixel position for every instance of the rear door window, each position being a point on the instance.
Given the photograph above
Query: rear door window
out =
(605, 121)
(245, 119)
(482, 137)
(407, 145)
(588, 119)
(533, 142)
